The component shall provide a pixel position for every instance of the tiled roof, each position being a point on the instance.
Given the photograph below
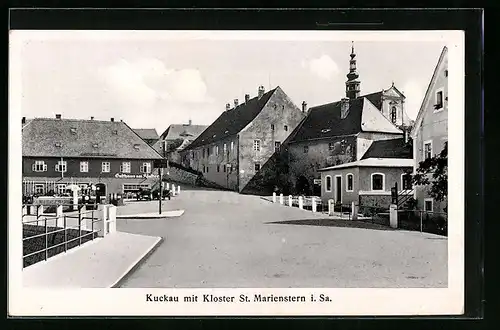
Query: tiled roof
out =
(375, 99)
(373, 162)
(147, 133)
(324, 121)
(394, 148)
(231, 122)
(45, 137)
(183, 131)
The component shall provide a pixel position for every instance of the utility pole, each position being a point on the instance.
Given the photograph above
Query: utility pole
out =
(160, 172)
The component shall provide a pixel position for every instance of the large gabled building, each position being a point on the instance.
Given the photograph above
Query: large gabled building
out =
(176, 138)
(430, 132)
(108, 154)
(237, 151)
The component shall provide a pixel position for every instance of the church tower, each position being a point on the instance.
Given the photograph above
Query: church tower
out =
(352, 88)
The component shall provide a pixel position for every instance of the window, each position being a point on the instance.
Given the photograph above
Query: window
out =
(73, 130)
(277, 146)
(393, 115)
(84, 166)
(428, 204)
(206, 169)
(230, 168)
(61, 166)
(61, 189)
(446, 73)
(257, 167)
(439, 100)
(285, 128)
(136, 146)
(232, 145)
(306, 149)
(349, 179)
(216, 150)
(378, 182)
(427, 150)
(39, 166)
(39, 189)
(328, 183)
(272, 127)
(256, 145)
(406, 181)
(105, 167)
(218, 168)
(125, 167)
(203, 152)
(146, 167)
(224, 169)
(225, 149)
(331, 146)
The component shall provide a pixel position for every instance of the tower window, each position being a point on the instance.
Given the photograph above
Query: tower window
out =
(393, 115)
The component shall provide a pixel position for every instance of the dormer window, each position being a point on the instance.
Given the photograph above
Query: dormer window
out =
(393, 115)
(95, 145)
(115, 132)
(214, 135)
(439, 100)
(58, 144)
(136, 146)
(325, 130)
(73, 130)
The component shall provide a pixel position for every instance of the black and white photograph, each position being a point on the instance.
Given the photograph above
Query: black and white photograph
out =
(236, 172)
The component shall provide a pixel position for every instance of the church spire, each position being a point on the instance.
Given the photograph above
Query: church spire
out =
(352, 88)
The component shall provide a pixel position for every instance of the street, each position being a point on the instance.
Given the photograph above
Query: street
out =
(229, 240)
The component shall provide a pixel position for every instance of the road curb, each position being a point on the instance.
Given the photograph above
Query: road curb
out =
(137, 263)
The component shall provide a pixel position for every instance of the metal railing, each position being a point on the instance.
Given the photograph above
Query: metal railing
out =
(70, 236)
(423, 221)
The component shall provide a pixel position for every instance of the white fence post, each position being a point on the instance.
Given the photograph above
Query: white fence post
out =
(75, 199)
(85, 225)
(102, 215)
(281, 199)
(39, 213)
(354, 211)
(60, 217)
(25, 210)
(393, 215)
(168, 185)
(178, 190)
(313, 204)
(274, 197)
(173, 189)
(112, 219)
(290, 200)
(301, 203)
(331, 209)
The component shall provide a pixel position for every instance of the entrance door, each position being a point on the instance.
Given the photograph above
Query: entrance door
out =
(100, 189)
(338, 189)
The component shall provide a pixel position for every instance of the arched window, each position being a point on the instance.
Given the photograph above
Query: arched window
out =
(328, 183)
(394, 115)
(377, 182)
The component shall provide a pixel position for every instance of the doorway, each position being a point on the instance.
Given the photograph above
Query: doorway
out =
(338, 189)
(100, 189)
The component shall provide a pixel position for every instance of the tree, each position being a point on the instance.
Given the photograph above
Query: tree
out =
(172, 146)
(434, 172)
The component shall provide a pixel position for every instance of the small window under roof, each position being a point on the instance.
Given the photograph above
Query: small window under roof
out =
(58, 144)
(326, 130)
(73, 130)
(115, 132)
(95, 145)
(136, 146)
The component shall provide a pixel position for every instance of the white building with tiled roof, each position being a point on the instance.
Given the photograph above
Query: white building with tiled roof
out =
(109, 154)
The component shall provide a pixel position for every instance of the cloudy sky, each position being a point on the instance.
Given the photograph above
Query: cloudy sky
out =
(154, 83)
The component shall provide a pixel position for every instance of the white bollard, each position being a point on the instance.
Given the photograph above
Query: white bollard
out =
(281, 199)
(60, 217)
(313, 204)
(290, 200)
(75, 200)
(39, 213)
(331, 209)
(168, 185)
(178, 190)
(354, 211)
(393, 216)
(102, 216)
(301, 203)
(173, 190)
(25, 210)
(274, 197)
(112, 219)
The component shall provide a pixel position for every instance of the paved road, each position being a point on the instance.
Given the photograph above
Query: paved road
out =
(229, 240)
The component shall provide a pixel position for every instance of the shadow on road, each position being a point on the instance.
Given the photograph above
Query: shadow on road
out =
(333, 223)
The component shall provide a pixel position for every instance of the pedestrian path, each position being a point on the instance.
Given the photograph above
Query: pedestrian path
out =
(152, 215)
(101, 263)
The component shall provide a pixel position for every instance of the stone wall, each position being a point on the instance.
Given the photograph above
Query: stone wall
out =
(181, 174)
(377, 201)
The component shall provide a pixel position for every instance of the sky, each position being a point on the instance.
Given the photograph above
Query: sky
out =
(154, 83)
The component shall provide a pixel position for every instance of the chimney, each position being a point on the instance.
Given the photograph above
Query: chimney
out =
(23, 121)
(247, 98)
(304, 106)
(190, 122)
(58, 116)
(91, 118)
(344, 107)
(228, 106)
(112, 119)
(235, 103)
(261, 91)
